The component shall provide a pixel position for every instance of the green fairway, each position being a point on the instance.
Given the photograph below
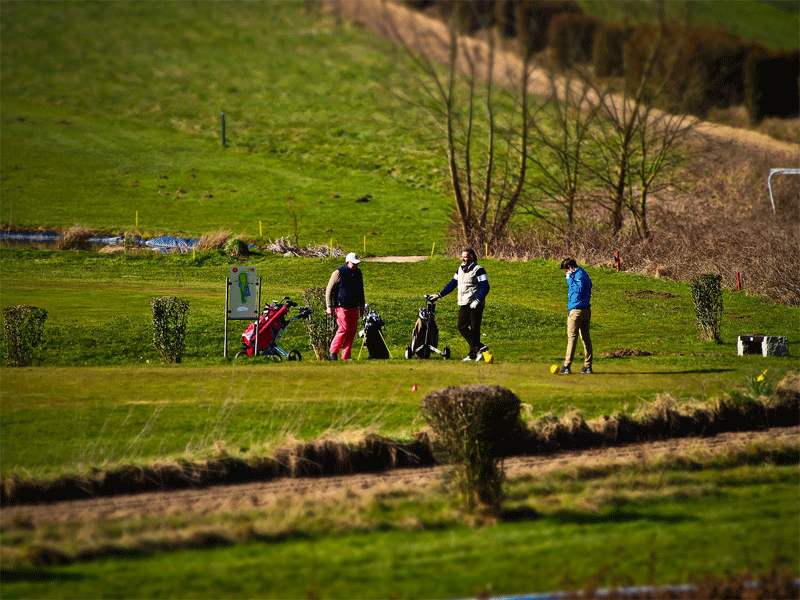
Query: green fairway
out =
(114, 401)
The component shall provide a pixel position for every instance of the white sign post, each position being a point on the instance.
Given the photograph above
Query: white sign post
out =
(242, 298)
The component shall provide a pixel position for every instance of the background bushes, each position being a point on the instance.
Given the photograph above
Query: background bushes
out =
(702, 68)
(608, 49)
(571, 37)
(771, 84)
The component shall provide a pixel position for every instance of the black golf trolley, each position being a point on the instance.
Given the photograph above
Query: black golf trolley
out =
(425, 336)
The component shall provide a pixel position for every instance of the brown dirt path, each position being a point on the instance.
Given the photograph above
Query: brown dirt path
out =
(235, 499)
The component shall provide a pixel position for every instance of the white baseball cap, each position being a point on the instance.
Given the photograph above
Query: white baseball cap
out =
(352, 258)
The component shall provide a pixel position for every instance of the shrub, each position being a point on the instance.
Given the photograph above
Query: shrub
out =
(472, 423)
(320, 326)
(23, 334)
(701, 67)
(170, 316)
(707, 296)
(771, 84)
(571, 37)
(528, 20)
(236, 247)
(469, 15)
(608, 49)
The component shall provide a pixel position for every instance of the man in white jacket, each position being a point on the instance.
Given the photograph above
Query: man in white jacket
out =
(473, 286)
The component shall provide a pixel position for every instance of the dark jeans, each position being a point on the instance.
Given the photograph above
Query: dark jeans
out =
(469, 326)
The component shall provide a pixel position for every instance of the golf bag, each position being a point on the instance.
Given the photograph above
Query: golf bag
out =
(425, 335)
(271, 326)
(372, 336)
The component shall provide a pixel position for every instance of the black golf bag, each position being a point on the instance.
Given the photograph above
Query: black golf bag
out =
(373, 338)
(425, 336)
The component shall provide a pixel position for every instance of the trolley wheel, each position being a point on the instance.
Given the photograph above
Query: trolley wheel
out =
(294, 355)
(409, 354)
(447, 352)
(241, 354)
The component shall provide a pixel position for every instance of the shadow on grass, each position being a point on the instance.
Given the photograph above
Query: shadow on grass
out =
(582, 518)
(37, 575)
(685, 372)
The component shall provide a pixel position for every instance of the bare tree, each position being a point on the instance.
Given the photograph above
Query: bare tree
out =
(559, 141)
(485, 123)
(636, 143)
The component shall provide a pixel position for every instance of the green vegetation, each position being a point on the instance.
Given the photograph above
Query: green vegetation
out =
(768, 22)
(111, 120)
(125, 405)
(649, 520)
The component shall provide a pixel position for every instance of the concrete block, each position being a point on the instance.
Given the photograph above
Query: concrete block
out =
(765, 345)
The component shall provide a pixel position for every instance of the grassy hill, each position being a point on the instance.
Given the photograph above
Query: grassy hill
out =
(112, 112)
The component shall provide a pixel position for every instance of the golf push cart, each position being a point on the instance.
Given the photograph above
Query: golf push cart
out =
(271, 326)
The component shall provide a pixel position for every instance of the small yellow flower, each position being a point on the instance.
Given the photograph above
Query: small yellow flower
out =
(761, 377)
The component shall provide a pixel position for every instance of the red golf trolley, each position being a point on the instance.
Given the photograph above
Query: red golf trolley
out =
(271, 326)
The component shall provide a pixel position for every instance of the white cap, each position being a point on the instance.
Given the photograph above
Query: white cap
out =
(352, 258)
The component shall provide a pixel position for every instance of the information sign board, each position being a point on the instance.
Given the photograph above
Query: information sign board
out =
(242, 293)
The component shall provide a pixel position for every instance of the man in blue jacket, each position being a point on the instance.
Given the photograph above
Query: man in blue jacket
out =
(473, 285)
(579, 296)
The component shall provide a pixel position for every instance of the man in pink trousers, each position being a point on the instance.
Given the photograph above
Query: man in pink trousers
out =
(344, 296)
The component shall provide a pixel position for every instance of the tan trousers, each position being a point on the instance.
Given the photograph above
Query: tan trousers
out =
(578, 323)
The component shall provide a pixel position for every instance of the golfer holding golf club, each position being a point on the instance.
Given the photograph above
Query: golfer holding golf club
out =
(579, 296)
(473, 285)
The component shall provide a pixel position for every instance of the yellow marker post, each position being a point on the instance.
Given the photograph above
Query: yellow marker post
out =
(433, 248)
(137, 219)
(260, 229)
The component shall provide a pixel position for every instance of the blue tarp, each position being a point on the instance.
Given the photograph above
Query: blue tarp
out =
(162, 244)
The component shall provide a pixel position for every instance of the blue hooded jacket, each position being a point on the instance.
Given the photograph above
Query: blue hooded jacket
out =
(579, 294)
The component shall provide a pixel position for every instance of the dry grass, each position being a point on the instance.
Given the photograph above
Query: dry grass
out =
(717, 219)
(75, 238)
(215, 240)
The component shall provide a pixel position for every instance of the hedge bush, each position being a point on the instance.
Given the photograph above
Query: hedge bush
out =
(608, 49)
(771, 84)
(571, 38)
(707, 296)
(170, 317)
(23, 334)
(472, 424)
(529, 20)
(702, 67)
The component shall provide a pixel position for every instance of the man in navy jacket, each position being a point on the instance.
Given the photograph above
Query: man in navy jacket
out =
(344, 298)
(579, 305)
(473, 285)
